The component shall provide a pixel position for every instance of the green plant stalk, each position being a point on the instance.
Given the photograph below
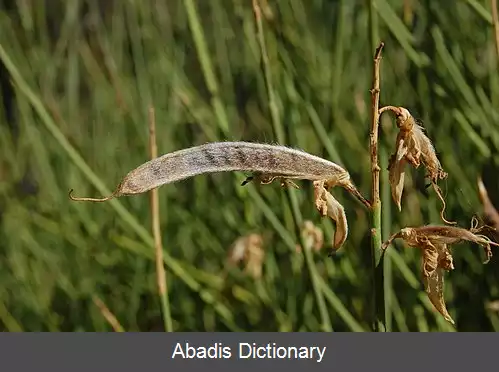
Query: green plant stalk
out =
(211, 82)
(280, 136)
(338, 61)
(376, 240)
(156, 230)
(206, 65)
(388, 293)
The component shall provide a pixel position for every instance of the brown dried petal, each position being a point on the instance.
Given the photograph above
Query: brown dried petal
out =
(445, 260)
(436, 259)
(408, 144)
(326, 204)
(436, 256)
(396, 171)
(434, 285)
(336, 212)
(443, 235)
(430, 258)
(415, 147)
(428, 155)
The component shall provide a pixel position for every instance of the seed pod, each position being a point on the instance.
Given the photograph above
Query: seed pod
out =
(268, 162)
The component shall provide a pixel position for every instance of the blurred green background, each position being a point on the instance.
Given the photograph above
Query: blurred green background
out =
(78, 79)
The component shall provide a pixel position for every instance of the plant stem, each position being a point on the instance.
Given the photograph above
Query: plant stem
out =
(206, 65)
(280, 135)
(495, 20)
(108, 315)
(376, 240)
(156, 230)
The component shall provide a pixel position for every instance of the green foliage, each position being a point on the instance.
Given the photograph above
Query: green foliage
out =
(84, 74)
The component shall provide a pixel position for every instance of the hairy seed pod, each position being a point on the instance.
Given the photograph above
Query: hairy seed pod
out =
(265, 160)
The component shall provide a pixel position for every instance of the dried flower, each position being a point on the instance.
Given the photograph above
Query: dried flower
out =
(413, 147)
(436, 256)
(248, 249)
(313, 235)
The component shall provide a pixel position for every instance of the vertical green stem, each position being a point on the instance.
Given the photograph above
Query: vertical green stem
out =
(385, 231)
(156, 229)
(338, 60)
(280, 136)
(376, 240)
(206, 65)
